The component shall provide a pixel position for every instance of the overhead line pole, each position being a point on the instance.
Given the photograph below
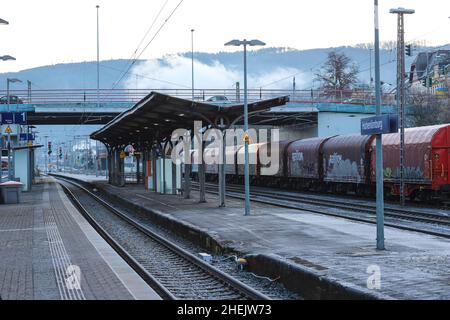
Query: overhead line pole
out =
(401, 95)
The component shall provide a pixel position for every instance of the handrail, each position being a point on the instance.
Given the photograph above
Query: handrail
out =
(132, 96)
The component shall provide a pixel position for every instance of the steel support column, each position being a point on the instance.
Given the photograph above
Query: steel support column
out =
(163, 158)
(138, 169)
(201, 173)
(154, 173)
(122, 180)
(174, 178)
(187, 180)
(222, 176)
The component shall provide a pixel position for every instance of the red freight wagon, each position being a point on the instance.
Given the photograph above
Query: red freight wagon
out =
(347, 160)
(304, 159)
(276, 154)
(427, 161)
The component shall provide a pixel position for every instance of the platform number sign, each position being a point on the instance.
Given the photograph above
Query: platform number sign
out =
(14, 118)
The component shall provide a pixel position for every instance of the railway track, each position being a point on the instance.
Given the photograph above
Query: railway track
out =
(322, 205)
(171, 270)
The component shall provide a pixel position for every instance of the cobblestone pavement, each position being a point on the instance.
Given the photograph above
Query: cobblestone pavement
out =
(44, 253)
(414, 266)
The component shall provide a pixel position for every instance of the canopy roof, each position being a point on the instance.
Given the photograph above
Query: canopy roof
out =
(157, 115)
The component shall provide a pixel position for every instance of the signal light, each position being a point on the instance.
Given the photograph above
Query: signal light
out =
(408, 50)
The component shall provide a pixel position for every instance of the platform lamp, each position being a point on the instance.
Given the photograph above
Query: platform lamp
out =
(6, 58)
(246, 43)
(8, 81)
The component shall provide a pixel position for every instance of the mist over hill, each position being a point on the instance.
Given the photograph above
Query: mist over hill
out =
(268, 68)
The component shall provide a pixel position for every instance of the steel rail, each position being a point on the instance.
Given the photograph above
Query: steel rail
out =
(275, 201)
(133, 263)
(226, 279)
(358, 207)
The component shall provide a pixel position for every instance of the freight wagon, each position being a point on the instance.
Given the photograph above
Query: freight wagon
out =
(346, 164)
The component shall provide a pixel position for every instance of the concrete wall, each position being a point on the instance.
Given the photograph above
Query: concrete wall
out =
(333, 123)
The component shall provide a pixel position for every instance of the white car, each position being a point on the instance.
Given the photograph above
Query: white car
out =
(218, 99)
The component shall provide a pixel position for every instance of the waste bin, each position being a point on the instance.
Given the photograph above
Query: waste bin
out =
(10, 192)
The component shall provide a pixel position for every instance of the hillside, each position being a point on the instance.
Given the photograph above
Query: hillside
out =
(213, 70)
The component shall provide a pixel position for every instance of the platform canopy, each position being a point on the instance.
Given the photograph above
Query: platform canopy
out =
(157, 115)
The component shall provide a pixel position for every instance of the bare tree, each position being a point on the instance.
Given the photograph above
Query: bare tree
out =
(427, 109)
(338, 73)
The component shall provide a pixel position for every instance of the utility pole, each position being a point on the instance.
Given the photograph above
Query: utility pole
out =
(98, 59)
(192, 58)
(379, 142)
(371, 77)
(401, 91)
(29, 91)
(97, 158)
(293, 89)
(46, 154)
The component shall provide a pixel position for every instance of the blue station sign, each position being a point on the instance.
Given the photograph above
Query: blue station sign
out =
(26, 137)
(383, 124)
(13, 118)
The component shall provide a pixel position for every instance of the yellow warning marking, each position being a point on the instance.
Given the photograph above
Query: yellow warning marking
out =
(8, 130)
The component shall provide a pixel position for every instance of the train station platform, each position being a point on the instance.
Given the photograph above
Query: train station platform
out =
(48, 251)
(414, 266)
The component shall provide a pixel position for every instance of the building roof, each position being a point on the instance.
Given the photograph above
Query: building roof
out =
(157, 115)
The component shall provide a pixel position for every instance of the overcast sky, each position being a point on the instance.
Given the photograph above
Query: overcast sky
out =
(54, 31)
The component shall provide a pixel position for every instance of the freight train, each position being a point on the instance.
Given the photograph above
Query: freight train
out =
(346, 164)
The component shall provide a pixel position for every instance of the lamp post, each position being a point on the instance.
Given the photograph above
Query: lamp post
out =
(246, 43)
(192, 58)
(6, 58)
(400, 12)
(8, 81)
(379, 142)
(98, 59)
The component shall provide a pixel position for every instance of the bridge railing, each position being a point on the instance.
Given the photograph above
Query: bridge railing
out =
(132, 96)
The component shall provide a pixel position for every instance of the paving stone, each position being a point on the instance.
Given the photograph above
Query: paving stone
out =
(28, 268)
(414, 266)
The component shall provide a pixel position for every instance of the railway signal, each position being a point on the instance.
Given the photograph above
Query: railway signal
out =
(408, 50)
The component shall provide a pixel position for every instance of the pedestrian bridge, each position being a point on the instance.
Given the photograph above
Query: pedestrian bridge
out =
(89, 106)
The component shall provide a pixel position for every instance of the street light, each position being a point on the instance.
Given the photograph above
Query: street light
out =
(246, 43)
(379, 137)
(98, 58)
(400, 12)
(3, 21)
(7, 57)
(8, 81)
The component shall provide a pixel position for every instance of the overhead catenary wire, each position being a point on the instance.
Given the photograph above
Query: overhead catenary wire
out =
(148, 44)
